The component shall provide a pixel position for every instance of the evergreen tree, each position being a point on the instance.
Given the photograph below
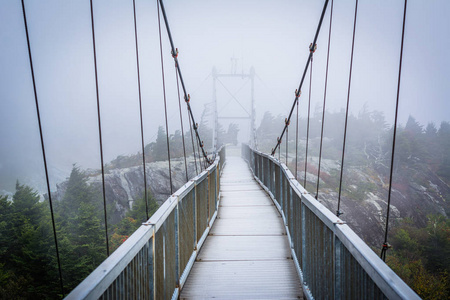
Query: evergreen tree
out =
(160, 147)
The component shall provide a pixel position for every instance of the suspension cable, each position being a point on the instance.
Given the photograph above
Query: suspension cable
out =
(385, 244)
(182, 126)
(324, 101)
(44, 156)
(99, 128)
(140, 108)
(296, 144)
(307, 123)
(312, 48)
(338, 211)
(165, 100)
(187, 97)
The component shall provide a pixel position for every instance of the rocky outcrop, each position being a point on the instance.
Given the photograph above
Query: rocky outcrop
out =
(124, 186)
(416, 192)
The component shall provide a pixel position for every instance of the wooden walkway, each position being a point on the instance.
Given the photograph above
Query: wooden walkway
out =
(247, 253)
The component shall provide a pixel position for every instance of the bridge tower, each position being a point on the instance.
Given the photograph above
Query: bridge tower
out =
(251, 116)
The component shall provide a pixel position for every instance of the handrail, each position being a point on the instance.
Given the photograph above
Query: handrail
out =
(155, 260)
(333, 262)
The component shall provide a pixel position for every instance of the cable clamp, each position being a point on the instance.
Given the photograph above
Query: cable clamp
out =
(287, 122)
(175, 55)
(297, 93)
(278, 140)
(201, 144)
(187, 98)
(195, 126)
(312, 48)
(386, 246)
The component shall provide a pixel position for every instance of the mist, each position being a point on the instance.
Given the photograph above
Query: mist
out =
(271, 36)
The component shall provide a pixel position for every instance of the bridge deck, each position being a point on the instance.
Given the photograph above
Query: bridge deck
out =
(247, 253)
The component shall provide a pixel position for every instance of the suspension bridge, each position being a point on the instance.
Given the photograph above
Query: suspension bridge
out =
(244, 227)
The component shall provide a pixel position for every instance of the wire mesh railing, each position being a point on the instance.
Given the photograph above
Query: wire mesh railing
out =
(155, 261)
(332, 261)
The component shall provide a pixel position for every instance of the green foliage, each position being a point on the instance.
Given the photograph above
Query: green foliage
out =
(421, 256)
(28, 268)
(134, 218)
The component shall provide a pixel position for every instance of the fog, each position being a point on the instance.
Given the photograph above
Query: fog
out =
(232, 36)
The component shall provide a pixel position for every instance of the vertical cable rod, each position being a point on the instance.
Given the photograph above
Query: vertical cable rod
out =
(182, 126)
(140, 108)
(338, 211)
(165, 100)
(193, 144)
(287, 145)
(296, 144)
(99, 128)
(385, 244)
(44, 156)
(307, 123)
(324, 101)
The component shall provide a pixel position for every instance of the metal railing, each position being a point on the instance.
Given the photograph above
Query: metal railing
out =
(332, 261)
(154, 262)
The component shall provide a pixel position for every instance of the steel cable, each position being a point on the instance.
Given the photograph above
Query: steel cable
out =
(338, 211)
(44, 156)
(140, 108)
(324, 101)
(385, 244)
(307, 123)
(296, 144)
(174, 52)
(165, 100)
(182, 126)
(312, 48)
(99, 128)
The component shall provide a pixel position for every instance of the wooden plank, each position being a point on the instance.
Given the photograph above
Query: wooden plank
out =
(248, 227)
(266, 212)
(242, 280)
(247, 254)
(245, 248)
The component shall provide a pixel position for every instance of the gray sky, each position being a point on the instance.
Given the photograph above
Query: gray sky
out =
(272, 36)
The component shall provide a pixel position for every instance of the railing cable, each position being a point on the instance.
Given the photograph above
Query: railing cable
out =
(338, 211)
(99, 128)
(312, 48)
(44, 156)
(324, 101)
(165, 100)
(385, 244)
(187, 97)
(307, 122)
(140, 108)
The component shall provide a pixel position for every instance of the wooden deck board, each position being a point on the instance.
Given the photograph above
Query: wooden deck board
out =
(247, 254)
